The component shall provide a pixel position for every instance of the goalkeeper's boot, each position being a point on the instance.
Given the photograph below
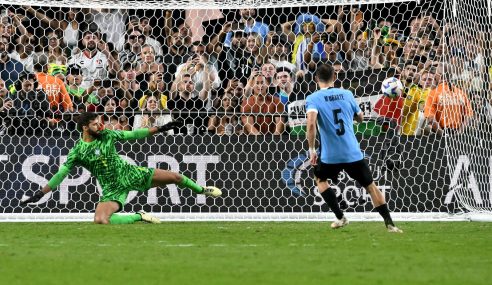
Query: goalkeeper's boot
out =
(148, 218)
(394, 229)
(339, 223)
(211, 191)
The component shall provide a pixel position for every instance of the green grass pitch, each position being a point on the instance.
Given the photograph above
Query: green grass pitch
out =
(245, 253)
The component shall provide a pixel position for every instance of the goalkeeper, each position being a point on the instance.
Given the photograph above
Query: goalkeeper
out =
(96, 152)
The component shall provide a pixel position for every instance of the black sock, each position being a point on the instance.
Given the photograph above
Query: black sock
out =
(384, 212)
(331, 199)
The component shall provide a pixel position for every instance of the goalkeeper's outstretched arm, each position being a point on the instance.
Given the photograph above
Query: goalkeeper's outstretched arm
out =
(143, 133)
(56, 180)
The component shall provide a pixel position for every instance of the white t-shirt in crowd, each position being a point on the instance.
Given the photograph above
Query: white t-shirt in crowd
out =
(91, 68)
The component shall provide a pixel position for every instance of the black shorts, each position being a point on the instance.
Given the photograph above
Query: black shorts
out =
(357, 170)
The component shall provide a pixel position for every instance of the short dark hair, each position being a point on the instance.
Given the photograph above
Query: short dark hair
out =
(325, 73)
(282, 69)
(85, 118)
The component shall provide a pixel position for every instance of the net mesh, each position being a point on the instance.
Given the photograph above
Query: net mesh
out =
(237, 74)
(202, 5)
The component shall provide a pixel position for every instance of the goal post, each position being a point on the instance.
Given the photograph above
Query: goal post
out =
(430, 150)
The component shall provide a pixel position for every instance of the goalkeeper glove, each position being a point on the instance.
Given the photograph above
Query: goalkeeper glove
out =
(34, 198)
(169, 126)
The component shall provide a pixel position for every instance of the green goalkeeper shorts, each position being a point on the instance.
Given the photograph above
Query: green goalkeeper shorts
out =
(134, 178)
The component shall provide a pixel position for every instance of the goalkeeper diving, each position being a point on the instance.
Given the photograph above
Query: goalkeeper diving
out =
(96, 152)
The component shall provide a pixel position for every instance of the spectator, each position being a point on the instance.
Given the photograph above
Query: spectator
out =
(147, 67)
(156, 82)
(285, 84)
(413, 120)
(146, 28)
(5, 104)
(149, 62)
(152, 103)
(110, 22)
(268, 70)
(11, 27)
(425, 26)
(447, 108)
(110, 105)
(248, 24)
(408, 75)
(225, 123)
(129, 84)
(235, 89)
(9, 67)
(30, 106)
(301, 29)
(78, 94)
(24, 51)
(58, 71)
(410, 50)
(235, 58)
(132, 46)
(107, 89)
(69, 25)
(322, 48)
(178, 54)
(183, 30)
(255, 47)
(4, 92)
(54, 49)
(54, 88)
(184, 101)
(94, 59)
(266, 107)
(112, 120)
(279, 53)
(363, 52)
(200, 66)
(297, 103)
(291, 92)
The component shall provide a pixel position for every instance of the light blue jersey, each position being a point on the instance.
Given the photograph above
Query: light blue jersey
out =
(336, 109)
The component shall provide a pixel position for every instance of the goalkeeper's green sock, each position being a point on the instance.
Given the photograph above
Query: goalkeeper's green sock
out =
(117, 219)
(188, 183)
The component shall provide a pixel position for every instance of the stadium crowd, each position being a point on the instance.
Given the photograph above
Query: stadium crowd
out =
(250, 76)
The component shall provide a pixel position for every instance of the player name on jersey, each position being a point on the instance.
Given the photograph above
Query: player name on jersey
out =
(334, 97)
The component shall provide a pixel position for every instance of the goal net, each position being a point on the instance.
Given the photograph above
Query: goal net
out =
(238, 73)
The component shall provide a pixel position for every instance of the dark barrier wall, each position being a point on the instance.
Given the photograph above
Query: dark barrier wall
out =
(257, 174)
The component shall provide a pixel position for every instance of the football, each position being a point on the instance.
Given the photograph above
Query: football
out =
(392, 87)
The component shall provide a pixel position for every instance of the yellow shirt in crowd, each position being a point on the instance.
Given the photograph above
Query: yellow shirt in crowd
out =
(413, 106)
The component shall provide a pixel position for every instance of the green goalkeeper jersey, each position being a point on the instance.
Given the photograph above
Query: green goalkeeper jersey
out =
(101, 159)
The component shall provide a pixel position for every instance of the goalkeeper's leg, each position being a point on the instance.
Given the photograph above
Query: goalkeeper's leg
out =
(106, 214)
(163, 177)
